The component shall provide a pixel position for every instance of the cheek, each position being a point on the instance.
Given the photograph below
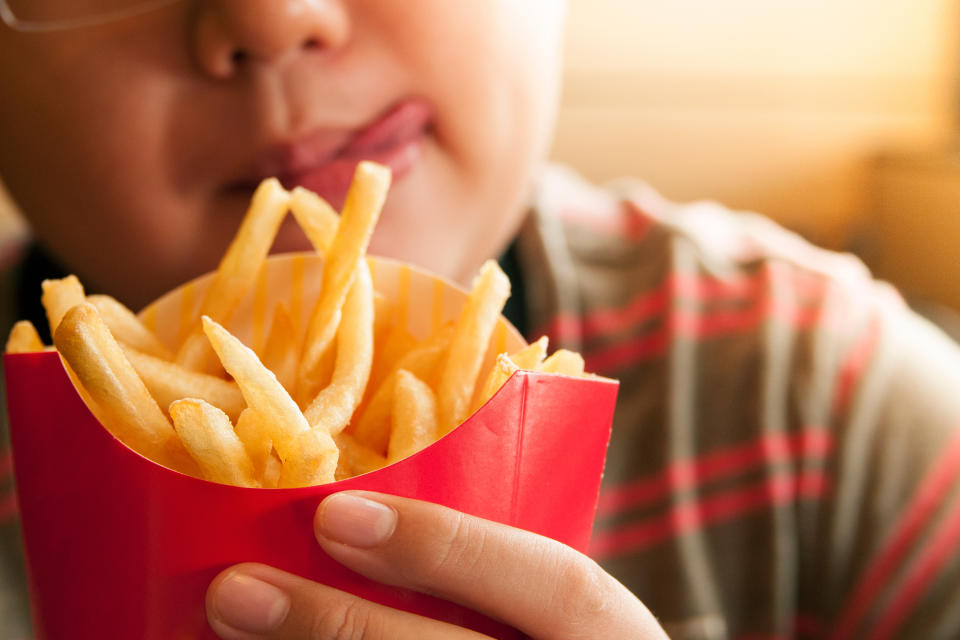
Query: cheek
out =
(92, 166)
(494, 91)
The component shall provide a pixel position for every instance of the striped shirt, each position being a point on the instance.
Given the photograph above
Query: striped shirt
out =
(785, 460)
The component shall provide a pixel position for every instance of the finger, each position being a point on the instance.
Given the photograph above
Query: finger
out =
(535, 584)
(256, 601)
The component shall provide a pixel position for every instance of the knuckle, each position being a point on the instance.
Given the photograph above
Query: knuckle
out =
(460, 549)
(348, 621)
(581, 595)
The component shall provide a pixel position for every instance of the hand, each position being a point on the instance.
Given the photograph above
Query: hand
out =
(542, 587)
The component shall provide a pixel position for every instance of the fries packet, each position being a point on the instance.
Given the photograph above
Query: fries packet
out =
(120, 547)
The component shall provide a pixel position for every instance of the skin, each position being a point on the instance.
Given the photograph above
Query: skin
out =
(541, 587)
(124, 143)
(120, 142)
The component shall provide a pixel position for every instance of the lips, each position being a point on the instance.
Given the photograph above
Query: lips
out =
(324, 161)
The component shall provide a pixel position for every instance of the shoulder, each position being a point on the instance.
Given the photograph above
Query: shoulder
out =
(625, 257)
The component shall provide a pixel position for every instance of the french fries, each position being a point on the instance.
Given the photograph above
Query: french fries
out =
(347, 392)
(414, 416)
(308, 456)
(360, 213)
(469, 344)
(209, 437)
(167, 382)
(24, 338)
(127, 328)
(122, 402)
(58, 297)
(238, 270)
(333, 407)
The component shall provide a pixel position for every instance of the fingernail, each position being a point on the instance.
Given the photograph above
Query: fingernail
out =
(247, 604)
(355, 521)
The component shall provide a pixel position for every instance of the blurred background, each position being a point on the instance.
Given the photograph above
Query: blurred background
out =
(839, 119)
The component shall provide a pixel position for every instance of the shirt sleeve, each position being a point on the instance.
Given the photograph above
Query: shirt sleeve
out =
(888, 543)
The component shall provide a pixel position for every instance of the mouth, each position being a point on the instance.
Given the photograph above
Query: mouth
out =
(324, 161)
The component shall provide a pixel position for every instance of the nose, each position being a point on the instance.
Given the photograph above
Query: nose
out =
(230, 34)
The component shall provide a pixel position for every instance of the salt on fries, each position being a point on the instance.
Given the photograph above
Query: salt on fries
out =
(352, 394)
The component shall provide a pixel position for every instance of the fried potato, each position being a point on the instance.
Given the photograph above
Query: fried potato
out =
(281, 349)
(365, 199)
(123, 403)
(372, 425)
(168, 382)
(563, 362)
(127, 328)
(255, 437)
(414, 416)
(501, 371)
(333, 407)
(58, 297)
(356, 458)
(208, 435)
(316, 217)
(309, 457)
(468, 346)
(24, 338)
(238, 270)
(530, 357)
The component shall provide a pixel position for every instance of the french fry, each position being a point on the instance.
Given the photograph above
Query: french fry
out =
(168, 382)
(372, 425)
(315, 216)
(272, 470)
(530, 357)
(501, 371)
(58, 297)
(24, 338)
(123, 404)
(255, 437)
(309, 456)
(397, 344)
(281, 350)
(563, 362)
(333, 407)
(349, 393)
(238, 270)
(127, 328)
(356, 458)
(360, 213)
(468, 346)
(207, 434)
(414, 416)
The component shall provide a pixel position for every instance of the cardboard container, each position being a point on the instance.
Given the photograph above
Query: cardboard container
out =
(120, 547)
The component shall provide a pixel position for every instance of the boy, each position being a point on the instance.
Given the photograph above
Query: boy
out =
(785, 454)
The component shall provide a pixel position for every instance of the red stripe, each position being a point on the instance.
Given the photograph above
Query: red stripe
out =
(926, 499)
(8, 507)
(690, 516)
(687, 474)
(936, 553)
(692, 324)
(698, 288)
(855, 363)
(6, 464)
(807, 625)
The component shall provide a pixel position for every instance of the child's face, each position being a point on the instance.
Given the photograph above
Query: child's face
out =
(134, 147)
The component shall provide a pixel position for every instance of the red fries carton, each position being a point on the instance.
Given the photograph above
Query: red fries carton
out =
(120, 547)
